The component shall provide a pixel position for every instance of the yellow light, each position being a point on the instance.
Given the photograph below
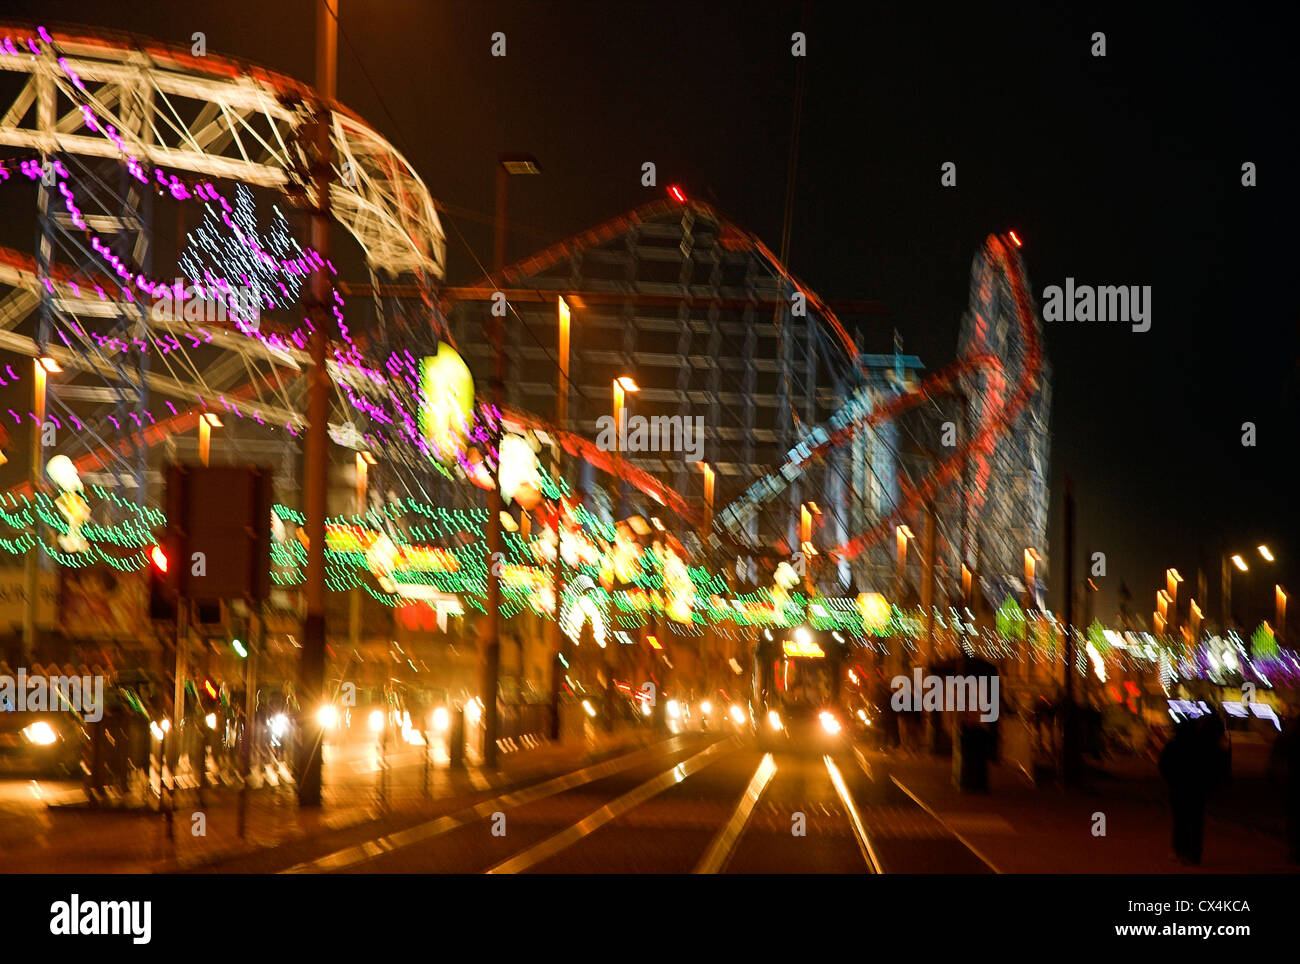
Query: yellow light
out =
(211, 721)
(674, 709)
(1240, 563)
(829, 723)
(49, 364)
(627, 383)
(441, 719)
(447, 400)
(807, 649)
(1264, 551)
(774, 719)
(376, 721)
(591, 710)
(212, 419)
(706, 707)
(327, 716)
(40, 733)
(874, 609)
(737, 714)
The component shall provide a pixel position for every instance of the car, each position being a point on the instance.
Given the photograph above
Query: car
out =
(44, 743)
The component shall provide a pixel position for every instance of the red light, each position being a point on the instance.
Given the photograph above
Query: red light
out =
(677, 194)
(1015, 239)
(159, 558)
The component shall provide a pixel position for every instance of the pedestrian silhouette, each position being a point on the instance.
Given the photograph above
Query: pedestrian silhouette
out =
(1286, 759)
(1193, 763)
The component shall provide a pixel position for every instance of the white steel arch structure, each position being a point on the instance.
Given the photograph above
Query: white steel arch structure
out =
(111, 107)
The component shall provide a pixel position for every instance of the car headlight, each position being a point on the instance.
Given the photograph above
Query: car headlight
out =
(706, 707)
(376, 720)
(40, 733)
(774, 719)
(441, 719)
(279, 724)
(737, 714)
(674, 709)
(829, 723)
(327, 716)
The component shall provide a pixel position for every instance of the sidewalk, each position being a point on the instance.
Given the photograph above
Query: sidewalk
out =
(1022, 829)
(67, 836)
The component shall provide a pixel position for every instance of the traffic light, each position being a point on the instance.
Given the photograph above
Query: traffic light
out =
(162, 598)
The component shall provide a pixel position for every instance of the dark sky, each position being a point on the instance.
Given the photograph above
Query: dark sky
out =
(1117, 170)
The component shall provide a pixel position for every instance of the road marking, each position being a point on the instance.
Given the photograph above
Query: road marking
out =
(719, 852)
(611, 811)
(855, 819)
(349, 856)
(862, 762)
(943, 823)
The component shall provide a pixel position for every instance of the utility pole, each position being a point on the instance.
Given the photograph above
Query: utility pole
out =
(563, 317)
(489, 640)
(927, 579)
(1071, 758)
(316, 454)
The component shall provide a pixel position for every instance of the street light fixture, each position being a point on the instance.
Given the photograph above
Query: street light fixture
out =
(1031, 565)
(1265, 553)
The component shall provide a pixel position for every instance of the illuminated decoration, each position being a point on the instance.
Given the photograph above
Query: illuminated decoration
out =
(520, 481)
(622, 561)
(1010, 619)
(1263, 642)
(1098, 661)
(584, 607)
(63, 473)
(250, 259)
(446, 400)
(785, 576)
(679, 590)
(75, 511)
(875, 611)
(802, 648)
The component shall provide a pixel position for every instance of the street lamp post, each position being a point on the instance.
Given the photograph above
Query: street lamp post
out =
(319, 392)
(1240, 564)
(557, 451)
(42, 367)
(706, 533)
(902, 534)
(490, 629)
(207, 422)
(623, 386)
(363, 462)
(1172, 579)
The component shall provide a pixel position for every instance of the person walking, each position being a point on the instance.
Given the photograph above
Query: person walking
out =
(1285, 762)
(1193, 764)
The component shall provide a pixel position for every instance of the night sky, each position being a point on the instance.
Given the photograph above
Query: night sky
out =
(1122, 170)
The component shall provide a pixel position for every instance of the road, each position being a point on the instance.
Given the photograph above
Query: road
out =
(695, 803)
